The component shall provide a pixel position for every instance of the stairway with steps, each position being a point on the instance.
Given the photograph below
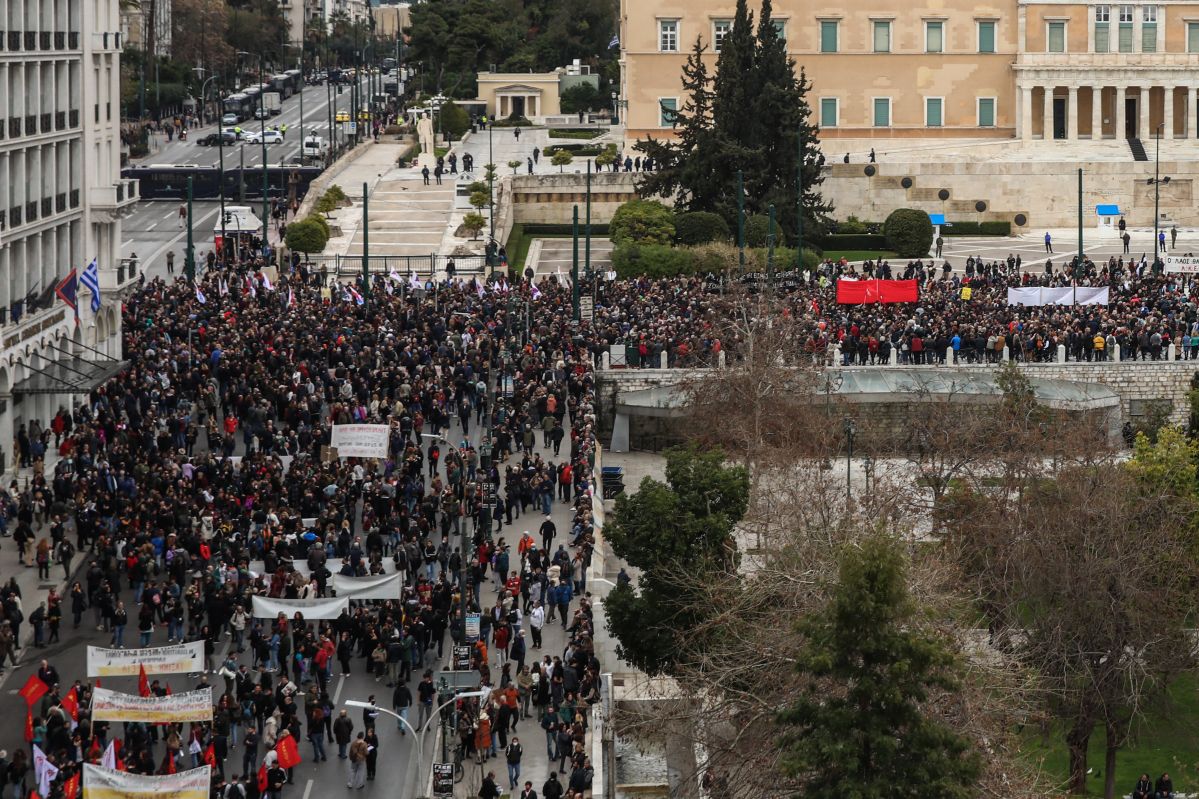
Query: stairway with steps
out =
(1138, 150)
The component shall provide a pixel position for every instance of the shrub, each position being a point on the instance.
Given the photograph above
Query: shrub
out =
(514, 165)
(454, 120)
(574, 149)
(477, 186)
(851, 225)
(473, 224)
(716, 258)
(326, 204)
(757, 227)
(700, 227)
(574, 133)
(909, 232)
(856, 241)
(561, 159)
(479, 199)
(652, 260)
(643, 222)
(307, 236)
(337, 193)
(321, 221)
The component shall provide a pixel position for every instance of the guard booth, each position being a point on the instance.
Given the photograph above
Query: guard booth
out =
(1108, 218)
(939, 222)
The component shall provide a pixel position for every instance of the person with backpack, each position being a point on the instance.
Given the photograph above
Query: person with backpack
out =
(513, 753)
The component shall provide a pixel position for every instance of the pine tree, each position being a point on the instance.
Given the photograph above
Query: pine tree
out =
(859, 729)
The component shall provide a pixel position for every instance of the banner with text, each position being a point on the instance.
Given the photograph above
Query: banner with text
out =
(360, 440)
(1064, 295)
(382, 586)
(103, 783)
(1182, 264)
(173, 659)
(189, 706)
(266, 608)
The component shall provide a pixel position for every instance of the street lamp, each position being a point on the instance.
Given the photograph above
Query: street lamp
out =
(850, 431)
(1157, 181)
(262, 138)
(419, 734)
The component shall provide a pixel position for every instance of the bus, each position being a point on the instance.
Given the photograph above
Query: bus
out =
(169, 181)
(296, 77)
(239, 103)
(254, 97)
(388, 65)
(281, 83)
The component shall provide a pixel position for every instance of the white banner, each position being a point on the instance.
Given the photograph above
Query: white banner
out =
(44, 771)
(1065, 295)
(266, 608)
(102, 783)
(383, 586)
(189, 706)
(360, 440)
(173, 659)
(1182, 264)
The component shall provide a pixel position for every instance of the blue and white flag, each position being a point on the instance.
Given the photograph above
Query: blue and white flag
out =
(615, 41)
(91, 282)
(200, 298)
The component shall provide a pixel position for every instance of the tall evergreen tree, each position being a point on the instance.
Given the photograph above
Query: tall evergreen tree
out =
(860, 727)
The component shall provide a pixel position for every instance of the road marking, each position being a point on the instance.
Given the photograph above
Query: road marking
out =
(341, 680)
(307, 789)
(169, 214)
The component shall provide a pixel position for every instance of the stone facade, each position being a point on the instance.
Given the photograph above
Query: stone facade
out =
(550, 198)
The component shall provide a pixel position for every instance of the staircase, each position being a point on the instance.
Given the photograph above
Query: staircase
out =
(1138, 150)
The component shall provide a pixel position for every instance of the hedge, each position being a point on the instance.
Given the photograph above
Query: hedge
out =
(579, 150)
(700, 227)
(855, 241)
(656, 260)
(652, 260)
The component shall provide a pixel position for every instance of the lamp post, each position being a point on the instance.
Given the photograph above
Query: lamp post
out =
(189, 258)
(850, 431)
(266, 214)
(1157, 181)
(490, 177)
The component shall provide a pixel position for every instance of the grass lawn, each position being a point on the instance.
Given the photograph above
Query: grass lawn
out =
(858, 255)
(1167, 741)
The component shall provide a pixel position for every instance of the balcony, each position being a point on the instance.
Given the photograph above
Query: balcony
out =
(46, 123)
(60, 202)
(30, 40)
(60, 120)
(47, 206)
(73, 40)
(31, 124)
(31, 211)
(110, 41)
(74, 198)
(121, 194)
(60, 41)
(14, 40)
(15, 217)
(74, 117)
(14, 127)
(44, 40)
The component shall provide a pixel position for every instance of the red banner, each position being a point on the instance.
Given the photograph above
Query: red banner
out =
(33, 690)
(288, 753)
(861, 292)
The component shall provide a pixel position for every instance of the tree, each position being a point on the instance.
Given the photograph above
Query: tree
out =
(514, 164)
(642, 221)
(909, 232)
(580, 97)
(684, 525)
(861, 726)
(700, 227)
(561, 159)
(454, 120)
(306, 236)
(479, 199)
(473, 223)
(607, 157)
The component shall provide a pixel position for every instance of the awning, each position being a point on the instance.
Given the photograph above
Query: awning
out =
(1107, 210)
(69, 376)
(937, 219)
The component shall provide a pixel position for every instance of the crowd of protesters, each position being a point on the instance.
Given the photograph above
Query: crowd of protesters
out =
(201, 476)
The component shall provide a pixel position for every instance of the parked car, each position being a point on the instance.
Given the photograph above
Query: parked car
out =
(213, 139)
(235, 132)
(268, 135)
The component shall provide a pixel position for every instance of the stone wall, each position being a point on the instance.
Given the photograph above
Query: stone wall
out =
(549, 198)
(1141, 385)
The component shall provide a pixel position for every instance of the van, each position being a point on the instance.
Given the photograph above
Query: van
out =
(314, 147)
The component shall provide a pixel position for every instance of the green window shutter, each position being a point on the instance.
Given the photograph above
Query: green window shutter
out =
(986, 37)
(932, 112)
(1149, 37)
(1193, 37)
(882, 112)
(986, 113)
(828, 36)
(828, 112)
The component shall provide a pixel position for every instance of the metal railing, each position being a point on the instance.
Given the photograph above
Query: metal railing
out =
(422, 266)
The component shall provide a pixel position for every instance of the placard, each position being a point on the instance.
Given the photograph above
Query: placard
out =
(188, 706)
(172, 659)
(461, 658)
(472, 626)
(443, 779)
(360, 440)
(312, 609)
(382, 586)
(1182, 264)
(103, 783)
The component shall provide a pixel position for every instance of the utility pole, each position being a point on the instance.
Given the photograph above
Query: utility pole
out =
(266, 186)
(587, 253)
(220, 138)
(189, 260)
(1080, 249)
(741, 219)
(491, 177)
(366, 246)
(574, 266)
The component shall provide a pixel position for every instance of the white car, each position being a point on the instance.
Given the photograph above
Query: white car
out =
(269, 136)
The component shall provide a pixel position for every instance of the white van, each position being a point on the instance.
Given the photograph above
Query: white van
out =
(314, 147)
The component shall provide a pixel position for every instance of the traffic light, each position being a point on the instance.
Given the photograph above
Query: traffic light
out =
(228, 218)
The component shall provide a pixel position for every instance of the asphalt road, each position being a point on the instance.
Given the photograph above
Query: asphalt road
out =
(152, 229)
(316, 119)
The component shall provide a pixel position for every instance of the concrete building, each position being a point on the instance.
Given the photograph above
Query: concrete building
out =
(61, 200)
(1028, 69)
(535, 95)
(135, 22)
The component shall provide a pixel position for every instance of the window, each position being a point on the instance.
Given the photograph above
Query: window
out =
(828, 112)
(828, 35)
(669, 107)
(1148, 29)
(882, 112)
(668, 35)
(882, 36)
(933, 117)
(934, 36)
(1056, 40)
(986, 36)
(720, 29)
(1193, 37)
(986, 112)
(780, 28)
(1103, 16)
(1125, 31)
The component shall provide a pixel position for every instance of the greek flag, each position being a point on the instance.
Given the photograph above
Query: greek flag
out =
(91, 281)
(615, 41)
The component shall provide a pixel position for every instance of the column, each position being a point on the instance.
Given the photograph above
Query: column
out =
(1168, 111)
(1120, 123)
(1143, 131)
(1186, 113)
(1096, 113)
(1072, 112)
(1026, 113)
(1047, 116)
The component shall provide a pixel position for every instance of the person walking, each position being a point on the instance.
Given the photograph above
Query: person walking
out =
(1173, 236)
(182, 215)
(1048, 242)
(1161, 240)
(170, 262)
(513, 753)
(357, 766)
(425, 174)
(940, 243)
(516, 133)
(343, 729)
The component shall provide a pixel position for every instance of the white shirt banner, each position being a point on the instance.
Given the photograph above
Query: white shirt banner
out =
(188, 706)
(1062, 295)
(360, 440)
(172, 659)
(312, 609)
(103, 783)
(383, 586)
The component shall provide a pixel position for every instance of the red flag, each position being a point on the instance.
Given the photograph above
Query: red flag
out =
(34, 689)
(170, 761)
(288, 752)
(97, 682)
(71, 703)
(210, 755)
(116, 753)
(70, 788)
(143, 683)
(28, 726)
(262, 779)
(168, 689)
(94, 751)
